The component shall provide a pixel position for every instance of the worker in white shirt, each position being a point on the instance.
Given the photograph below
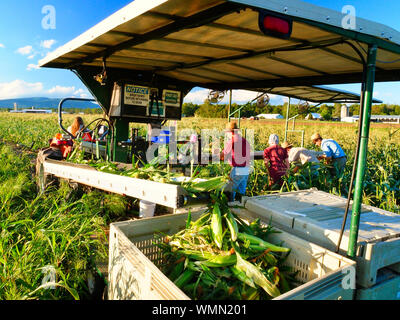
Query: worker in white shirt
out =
(300, 156)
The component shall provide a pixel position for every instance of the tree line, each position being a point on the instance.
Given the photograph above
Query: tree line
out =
(327, 111)
(69, 110)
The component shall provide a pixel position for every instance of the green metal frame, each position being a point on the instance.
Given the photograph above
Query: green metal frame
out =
(362, 152)
(121, 133)
(293, 128)
(238, 111)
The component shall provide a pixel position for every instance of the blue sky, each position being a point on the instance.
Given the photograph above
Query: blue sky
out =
(24, 41)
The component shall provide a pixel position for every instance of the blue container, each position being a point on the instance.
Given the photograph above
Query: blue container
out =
(163, 138)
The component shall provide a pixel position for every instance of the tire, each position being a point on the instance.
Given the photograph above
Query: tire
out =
(43, 179)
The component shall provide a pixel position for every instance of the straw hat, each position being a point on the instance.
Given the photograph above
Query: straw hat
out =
(316, 136)
(286, 145)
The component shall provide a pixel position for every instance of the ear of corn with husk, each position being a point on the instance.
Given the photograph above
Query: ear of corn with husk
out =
(226, 257)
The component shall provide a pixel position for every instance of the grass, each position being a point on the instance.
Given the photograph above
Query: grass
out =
(48, 236)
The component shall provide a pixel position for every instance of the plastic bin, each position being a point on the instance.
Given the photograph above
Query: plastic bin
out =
(317, 216)
(387, 287)
(134, 261)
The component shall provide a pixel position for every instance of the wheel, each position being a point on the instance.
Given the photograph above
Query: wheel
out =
(96, 285)
(44, 179)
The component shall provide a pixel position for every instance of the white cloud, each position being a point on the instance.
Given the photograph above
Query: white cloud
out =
(47, 44)
(81, 93)
(32, 56)
(196, 97)
(2, 45)
(19, 88)
(32, 66)
(60, 90)
(25, 50)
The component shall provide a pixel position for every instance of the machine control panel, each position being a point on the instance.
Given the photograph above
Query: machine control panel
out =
(146, 103)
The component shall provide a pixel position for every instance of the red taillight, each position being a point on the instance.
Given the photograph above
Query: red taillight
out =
(275, 26)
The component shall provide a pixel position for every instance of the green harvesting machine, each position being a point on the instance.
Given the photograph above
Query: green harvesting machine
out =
(140, 63)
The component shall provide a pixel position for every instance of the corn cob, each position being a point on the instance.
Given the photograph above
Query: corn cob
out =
(264, 244)
(207, 186)
(219, 261)
(232, 225)
(257, 276)
(177, 270)
(184, 278)
(242, 276)
(216, 226)
(189, 219)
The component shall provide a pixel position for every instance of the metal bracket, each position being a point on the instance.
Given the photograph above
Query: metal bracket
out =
(60, 105)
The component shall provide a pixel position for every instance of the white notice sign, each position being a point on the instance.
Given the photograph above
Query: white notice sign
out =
(136, 95)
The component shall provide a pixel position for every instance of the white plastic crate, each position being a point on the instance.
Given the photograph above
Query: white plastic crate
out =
(387, 287)
(133, 261)
(317, 216)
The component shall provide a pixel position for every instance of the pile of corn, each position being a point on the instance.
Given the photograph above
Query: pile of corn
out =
(220, 256)
(155, 172)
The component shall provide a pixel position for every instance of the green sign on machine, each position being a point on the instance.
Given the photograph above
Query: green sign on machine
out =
(172, 98)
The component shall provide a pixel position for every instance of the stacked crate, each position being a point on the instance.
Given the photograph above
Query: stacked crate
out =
(317, 217)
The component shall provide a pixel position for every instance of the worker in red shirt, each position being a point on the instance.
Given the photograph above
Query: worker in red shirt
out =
(237, 153)
(276, 161)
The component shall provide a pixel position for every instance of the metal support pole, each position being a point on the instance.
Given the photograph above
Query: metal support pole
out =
(362, 152)
(230, 105)
(60, 106)
(287, 120)
(121, 127)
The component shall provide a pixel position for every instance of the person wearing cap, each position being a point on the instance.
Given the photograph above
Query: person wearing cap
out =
(333, 153)
(300, 156)
(237, 153)
(276, 160)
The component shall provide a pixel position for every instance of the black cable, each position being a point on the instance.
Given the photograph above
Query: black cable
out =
(151, 104)
(99, 121)
(158, 107)
(359, 54)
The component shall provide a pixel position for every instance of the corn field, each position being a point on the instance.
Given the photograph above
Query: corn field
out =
(46, 239)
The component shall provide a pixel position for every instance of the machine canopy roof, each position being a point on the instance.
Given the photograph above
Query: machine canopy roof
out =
(316, 94)
(218, 44)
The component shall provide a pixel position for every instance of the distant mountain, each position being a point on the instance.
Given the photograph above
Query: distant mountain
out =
(45, 103)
